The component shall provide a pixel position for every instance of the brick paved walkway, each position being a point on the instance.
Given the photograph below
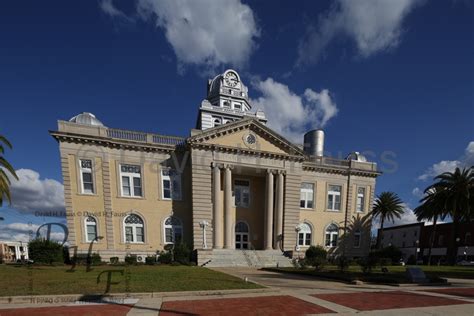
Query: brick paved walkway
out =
(89, 310)
(463, 292)
(264, 305)
(369, 301)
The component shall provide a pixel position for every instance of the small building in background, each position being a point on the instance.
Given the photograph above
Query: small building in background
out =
(414, 241)
(404, 237)
(13, 251)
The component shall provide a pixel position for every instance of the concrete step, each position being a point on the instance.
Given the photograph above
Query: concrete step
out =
(242, 258)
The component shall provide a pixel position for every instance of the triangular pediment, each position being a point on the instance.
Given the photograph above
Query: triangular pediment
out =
(247, 134)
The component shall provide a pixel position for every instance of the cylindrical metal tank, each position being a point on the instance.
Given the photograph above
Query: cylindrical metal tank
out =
(314, 143)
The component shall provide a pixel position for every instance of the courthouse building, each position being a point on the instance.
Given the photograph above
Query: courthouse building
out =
(235, 191)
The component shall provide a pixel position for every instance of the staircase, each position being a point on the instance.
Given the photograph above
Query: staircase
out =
(242, 258)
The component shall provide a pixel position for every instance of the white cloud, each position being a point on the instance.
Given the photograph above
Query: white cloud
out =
(25, 232)
(108, 7)
(417, 192)
(205, 33)
(31, 194)
(466, 160)
(291, 114)
(375, 26)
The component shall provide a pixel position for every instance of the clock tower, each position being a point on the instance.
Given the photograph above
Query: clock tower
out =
(227, 101)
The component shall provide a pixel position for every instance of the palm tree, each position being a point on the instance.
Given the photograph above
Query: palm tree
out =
(458, 188)
(432, 208)
(5, 167)
(387, 206)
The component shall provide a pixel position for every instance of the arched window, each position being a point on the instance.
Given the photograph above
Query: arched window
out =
(91, 228)
(357, 238)
(304, 235)
(217, 122)
(173, 230)
(241, 227)
(332, 233)
(134, 229)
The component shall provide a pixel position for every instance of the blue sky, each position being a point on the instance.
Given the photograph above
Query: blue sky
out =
(395, 78)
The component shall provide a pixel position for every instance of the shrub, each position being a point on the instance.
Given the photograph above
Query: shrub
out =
(84, 259)
(45, 251)
(391, 252)
(131, 259)
(411, 259)
(342, 263)
(150, 260)
(367, 263)
(316, 257)
(114, 260)
(164, 257)
(182, 253)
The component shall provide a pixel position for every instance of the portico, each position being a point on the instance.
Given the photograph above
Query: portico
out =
(225, 214)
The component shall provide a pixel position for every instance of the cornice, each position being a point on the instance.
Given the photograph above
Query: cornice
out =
(111, 142)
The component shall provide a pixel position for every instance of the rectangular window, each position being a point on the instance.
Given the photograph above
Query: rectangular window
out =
(357, 240)
(87, 182)
(171, 185)
(306, 195)
(242, 193)
(360, 199)
(91, 232)
(129, 234)
(131, 180)
(334, 197)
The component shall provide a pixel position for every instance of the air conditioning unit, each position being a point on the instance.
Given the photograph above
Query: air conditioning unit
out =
(141, 258)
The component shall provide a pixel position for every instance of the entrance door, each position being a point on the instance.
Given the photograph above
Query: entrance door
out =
(241, 236)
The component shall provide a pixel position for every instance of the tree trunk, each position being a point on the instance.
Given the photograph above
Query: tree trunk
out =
(380, 237)
(432, 239)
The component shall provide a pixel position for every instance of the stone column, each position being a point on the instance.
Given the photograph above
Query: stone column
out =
(269, 212)
(228, 230)
(279, 211)
(217, 208)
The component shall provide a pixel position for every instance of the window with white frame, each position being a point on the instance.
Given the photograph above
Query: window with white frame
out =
(226, 104)
(171, 185)
(334, 197)
(306, 195)
(237, 106)
(131, 179)
(173, 230)
(304, 235)
(332, 234)
(360, 200)
(87, 180)
(134, 229)
(242, 193)
(357, 238)
(91, 228)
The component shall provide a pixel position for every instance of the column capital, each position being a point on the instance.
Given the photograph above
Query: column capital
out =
(228, 166)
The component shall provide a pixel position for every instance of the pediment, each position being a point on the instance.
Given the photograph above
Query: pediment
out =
(246, 135)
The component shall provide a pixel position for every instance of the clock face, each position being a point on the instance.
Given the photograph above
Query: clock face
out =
(231, 79)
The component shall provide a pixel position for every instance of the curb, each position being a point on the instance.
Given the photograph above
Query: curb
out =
(118, 298)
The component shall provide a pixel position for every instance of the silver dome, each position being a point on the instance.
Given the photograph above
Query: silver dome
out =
(356, 156)
(86, 118)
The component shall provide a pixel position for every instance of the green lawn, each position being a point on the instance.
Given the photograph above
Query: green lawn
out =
(396, 274)
(44, 280)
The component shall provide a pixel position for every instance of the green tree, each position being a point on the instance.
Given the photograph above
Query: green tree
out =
(316, 256)
(432, 208)
(387, 207)
(5, 167)
(457, 196)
